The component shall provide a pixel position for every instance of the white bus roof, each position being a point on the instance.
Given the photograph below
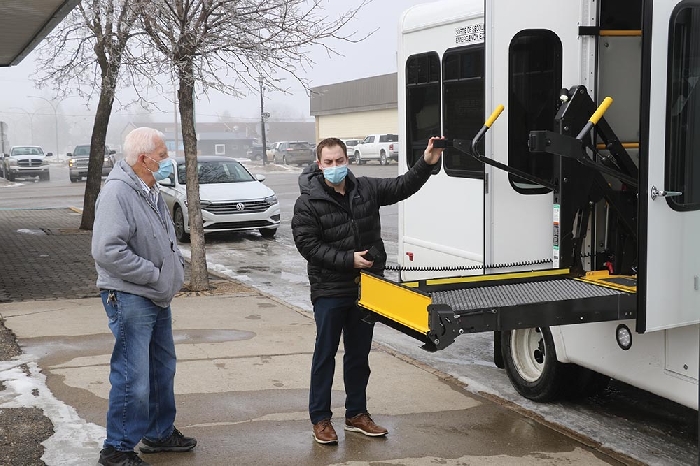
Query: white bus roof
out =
(438, 13)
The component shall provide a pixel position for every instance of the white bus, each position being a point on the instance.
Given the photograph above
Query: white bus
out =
(458, 60)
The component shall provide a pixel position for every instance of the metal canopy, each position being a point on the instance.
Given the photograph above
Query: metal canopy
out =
(23, 24)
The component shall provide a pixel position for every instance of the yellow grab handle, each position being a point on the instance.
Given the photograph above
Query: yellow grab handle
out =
(602, 108)
(496, 113)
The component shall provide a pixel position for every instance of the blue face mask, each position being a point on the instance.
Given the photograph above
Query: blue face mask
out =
(336, 174)
(165, 168)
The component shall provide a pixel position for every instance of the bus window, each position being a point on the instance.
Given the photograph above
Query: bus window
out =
(683, 126)
(422, 103)
(621, 15)
(463, 100)
(534, 74)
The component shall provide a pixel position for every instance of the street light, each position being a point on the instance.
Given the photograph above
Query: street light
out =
(55, 117)
(31, 122)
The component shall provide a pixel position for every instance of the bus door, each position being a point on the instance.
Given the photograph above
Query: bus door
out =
(669, 192)
(533, 50)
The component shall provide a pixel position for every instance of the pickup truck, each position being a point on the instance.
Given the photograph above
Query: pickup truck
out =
(380, 147)
(79, 158)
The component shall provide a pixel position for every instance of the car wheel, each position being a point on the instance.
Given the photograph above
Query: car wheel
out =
(10, 177)
(531, 363)
(268, 232)
(45, 177)
(73, 180)
(179, 220)
(382, 158)
(284, 160)
(358, 158)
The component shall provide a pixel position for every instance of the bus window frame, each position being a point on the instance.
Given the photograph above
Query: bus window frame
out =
(418, 146)
(480, 47)
(672, 168)
(519, 185)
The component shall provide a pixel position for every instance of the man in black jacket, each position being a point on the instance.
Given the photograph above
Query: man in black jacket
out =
(336, 222)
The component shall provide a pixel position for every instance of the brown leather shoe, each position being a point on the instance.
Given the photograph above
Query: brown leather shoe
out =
(324, 433)
(363, 423)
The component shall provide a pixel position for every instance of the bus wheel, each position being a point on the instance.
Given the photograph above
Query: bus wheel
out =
(531, 363)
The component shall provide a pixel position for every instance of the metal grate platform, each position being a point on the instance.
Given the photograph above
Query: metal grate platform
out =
(488, 297)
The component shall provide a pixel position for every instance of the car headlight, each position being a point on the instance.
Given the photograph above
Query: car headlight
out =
(272, 200)
(71, 162)
(44, 162)
(12, 161)
(106, 159)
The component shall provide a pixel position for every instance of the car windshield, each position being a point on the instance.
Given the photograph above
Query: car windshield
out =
(82, 150)
(299, 145)
(217, 172)
(27, 151)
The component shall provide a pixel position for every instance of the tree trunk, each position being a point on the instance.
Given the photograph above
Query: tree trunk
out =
(97, 153)
(199, 279)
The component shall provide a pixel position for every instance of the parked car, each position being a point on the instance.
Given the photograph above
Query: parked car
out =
(380, 147)
(24, 162)
(255, 151)
(350, 145)
(271, 150)
(232, 199)
(294, 152)
(79, 158)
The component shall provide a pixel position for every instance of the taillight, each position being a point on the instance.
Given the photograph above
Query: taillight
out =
(391, 147)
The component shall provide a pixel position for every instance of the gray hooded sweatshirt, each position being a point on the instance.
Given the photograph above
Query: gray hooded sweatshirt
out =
(133, 243)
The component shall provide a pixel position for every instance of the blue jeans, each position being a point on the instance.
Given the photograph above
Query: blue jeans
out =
(333, 317)
(142, 371)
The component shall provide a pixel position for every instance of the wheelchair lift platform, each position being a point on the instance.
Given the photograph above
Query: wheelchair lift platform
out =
(436, 311)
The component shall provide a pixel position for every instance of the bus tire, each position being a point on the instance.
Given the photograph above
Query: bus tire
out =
(530, 361)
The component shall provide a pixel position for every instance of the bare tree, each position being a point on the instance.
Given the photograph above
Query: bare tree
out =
(85, 53)
(228, 45)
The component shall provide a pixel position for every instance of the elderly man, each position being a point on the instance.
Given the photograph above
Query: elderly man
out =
(139, 270)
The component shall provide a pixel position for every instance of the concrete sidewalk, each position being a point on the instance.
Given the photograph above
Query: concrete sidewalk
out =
(242, 382)
(242, 387)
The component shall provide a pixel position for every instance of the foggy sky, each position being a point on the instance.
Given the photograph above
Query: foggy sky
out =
(374, 56)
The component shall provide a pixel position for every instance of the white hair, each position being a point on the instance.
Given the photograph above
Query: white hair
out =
(140, 141)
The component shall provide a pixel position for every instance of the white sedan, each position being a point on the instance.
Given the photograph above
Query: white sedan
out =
(232, 199)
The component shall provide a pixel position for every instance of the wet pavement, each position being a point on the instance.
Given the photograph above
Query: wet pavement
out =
(242, 381)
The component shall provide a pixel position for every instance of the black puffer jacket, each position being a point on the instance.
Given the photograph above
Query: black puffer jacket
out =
(327, 234)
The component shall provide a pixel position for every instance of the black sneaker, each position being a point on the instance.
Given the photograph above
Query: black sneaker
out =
(176, 442)
(110, 456)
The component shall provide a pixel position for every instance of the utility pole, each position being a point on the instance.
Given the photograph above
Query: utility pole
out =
(262, 122)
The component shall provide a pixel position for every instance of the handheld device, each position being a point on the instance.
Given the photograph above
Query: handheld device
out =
(442, 143)
(371, 254)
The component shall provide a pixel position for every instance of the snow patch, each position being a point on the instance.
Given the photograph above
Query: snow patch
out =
(75, 441)
(28, 231)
